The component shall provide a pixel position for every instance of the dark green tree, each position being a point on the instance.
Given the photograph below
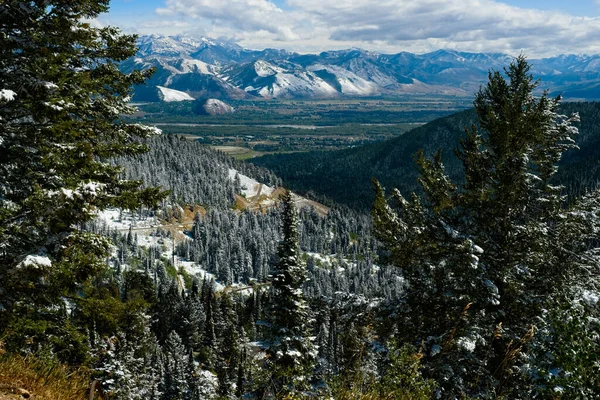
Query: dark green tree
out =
(175, 362)
(290, 352)
(484, 259)
(62, 96)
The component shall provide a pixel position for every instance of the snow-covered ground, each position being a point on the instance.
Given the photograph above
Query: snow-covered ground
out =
(217, 107)
(194, 269)
(189, 65)
(331, 260)
(349, 81)
(298, 84)
(114, 218)
(170, 95)
(264, 68)
(144, 229)
(250, 187)
(250, 190)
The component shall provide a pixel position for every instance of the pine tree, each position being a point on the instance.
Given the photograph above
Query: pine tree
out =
(193, 321)
(486, 259)
(175, 362)
(290, 352)
(62, 97)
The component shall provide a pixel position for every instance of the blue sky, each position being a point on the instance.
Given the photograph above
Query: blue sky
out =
(588, 8)
(125, 8)
(538, 27)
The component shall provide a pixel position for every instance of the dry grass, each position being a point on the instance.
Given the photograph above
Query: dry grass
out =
(29, 377)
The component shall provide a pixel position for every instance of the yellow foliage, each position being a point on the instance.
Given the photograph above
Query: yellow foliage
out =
(31, 377)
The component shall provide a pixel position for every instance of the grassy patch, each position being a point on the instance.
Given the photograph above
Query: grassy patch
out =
(31, 377)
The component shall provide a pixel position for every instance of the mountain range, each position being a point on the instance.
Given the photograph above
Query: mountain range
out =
(208, 68)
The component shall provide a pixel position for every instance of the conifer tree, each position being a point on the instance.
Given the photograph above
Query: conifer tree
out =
(485, 259)
(175, 362)
(62, 95)
(290, 352)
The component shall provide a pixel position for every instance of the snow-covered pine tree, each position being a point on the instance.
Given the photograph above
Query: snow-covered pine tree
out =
(290, 352)
(175, 362)
(484, 262)
(61, 97)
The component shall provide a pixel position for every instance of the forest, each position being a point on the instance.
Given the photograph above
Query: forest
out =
(128, 270)
(344, 176)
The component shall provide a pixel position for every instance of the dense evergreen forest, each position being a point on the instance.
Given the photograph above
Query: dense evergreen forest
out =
(344, 176)
(484, 285)
(192, 173)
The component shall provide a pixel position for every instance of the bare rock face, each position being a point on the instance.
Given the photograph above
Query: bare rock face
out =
(213, 107)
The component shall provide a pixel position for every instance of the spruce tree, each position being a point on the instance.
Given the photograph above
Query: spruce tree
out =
(290, 352)
(62, 96)
(484, 260)
(175, 363)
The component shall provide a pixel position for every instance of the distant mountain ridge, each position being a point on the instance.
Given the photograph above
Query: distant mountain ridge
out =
(204, 67)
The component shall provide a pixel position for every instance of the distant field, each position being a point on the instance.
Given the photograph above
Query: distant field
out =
(314, 112)
(241, 153)
(258, 140)
(272, 126)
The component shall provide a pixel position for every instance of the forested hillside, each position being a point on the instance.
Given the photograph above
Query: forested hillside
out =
(193, 174)
(344, 176)
(139, 266)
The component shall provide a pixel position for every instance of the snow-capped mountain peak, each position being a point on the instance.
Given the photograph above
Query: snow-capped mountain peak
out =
(205, 67)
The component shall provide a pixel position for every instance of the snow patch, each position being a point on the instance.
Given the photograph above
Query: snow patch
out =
(250, 187)
(35, 261)
(191, 268)
(7, 95)
(50, 86)
(217, 107)
(171, 95)
(264, 69)
(188, 66)
(115, 218)
(466, 344)
(298, 84)
(150, 130)
(590, 298)
(91, 188)
(350, 82)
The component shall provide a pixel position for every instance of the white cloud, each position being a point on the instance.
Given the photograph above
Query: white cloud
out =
(158, 24)
(237, 15)
(390, 25)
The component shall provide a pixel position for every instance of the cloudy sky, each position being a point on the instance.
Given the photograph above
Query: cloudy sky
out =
(536, 27)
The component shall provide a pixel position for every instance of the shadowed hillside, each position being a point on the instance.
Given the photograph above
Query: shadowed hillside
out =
(344, 176)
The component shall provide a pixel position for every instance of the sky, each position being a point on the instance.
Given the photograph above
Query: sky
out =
(538, 28)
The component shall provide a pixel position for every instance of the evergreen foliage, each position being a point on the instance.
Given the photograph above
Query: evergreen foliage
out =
(290, 352)
(485, 262)
(496, 285)
(343, 176)
(193, 173)
(59, 118)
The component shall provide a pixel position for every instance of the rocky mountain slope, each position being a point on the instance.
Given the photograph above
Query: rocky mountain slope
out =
(207, 68)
